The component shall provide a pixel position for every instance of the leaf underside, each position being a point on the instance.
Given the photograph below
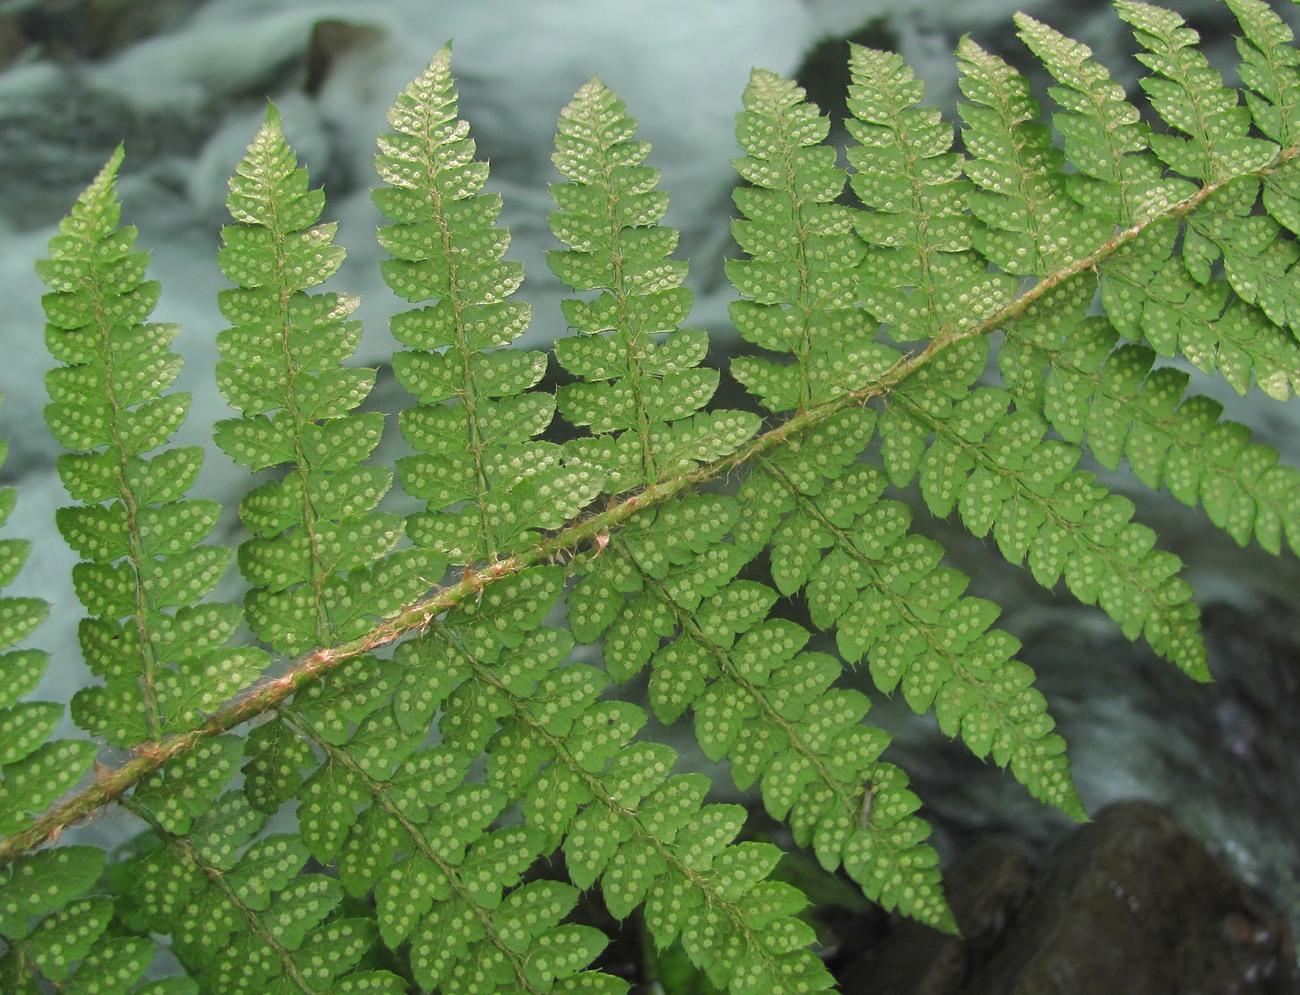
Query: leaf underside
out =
(444, 759)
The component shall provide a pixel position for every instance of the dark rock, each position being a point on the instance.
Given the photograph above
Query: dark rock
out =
(96, 29)
(1134, 905)
(330, 41)
(986, 886)
(12, 42)
(1131, 904)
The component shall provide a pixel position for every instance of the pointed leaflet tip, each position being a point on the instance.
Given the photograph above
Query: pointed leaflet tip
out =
(96, 209)
(440, 64)
(272, 113)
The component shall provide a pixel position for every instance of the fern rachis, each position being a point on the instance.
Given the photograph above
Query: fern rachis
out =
(442, 743)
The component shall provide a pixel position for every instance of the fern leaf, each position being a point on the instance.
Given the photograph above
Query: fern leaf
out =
(1256, 260)
(243, 917)
(51, 927)
(455, 766)
(642, 387)
(801, 283)
(400, 819)
(1143, 288)
(1032, 225)
(1112, 395)
(1190, 95)
(34, 770)
(622, 821)
(487, 481)
(893, 604)
(1269, 67)
(919, 275)
(999, 471)
(1150, 296)
(315, 533)
(1104, 137)
(712, 651)
(84, 921)
(161, 655)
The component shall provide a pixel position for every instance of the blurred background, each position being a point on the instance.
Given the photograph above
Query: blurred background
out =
(184, 83)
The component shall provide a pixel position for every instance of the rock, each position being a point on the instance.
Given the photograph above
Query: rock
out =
(1134, 905)
(986, 886)
(12, 42)
(95, 29)
(1131, 904)
(331, 40)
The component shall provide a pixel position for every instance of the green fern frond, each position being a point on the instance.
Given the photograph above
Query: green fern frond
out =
(645, 839)
(54, 931)
(711, 652)
(398, 819)
(800, 284)
(1218, 150)
(1270, 67)
(1105, 140)
(998, 470)
(1030, 223)
(242, 916)
(1150, 297)
(1191, 97)
(315, 532)
(489, 484)
(1112, 395)
(46, 923)
(918, 276)
(642, 386)
(159, 652)
(890, 602)
(428, 787)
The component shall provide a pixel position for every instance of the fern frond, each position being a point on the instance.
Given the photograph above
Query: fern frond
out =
(315, 532)
(242, 915)
(489, 484)
(801, 283)
(55, 932)
(1112, 395)
(919, 275)
(1258, 260)
(891, 602)
(837, 541)
(996, 468)
(1188, 94)
(757, 701)
(1030, 223)
(642, 386)
(645, 838)
(400, 819)
(1105, 140)
(1270, 67)
(1150, 297)
(1175, 313)
(41, 896)
(160, 653)
(441, 770)
(34, 770)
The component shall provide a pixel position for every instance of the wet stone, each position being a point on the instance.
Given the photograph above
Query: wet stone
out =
(1131, 904)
